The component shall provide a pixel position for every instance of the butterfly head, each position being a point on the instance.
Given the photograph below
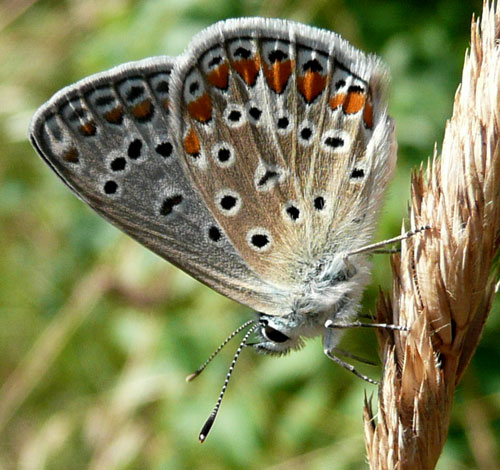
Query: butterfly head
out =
(277, 335)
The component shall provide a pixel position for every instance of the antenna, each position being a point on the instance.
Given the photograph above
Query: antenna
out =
(211, 419)
(200, 369)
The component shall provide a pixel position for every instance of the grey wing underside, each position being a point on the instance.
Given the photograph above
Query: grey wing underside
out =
(108, 137)
(157, 146)
(302, 116)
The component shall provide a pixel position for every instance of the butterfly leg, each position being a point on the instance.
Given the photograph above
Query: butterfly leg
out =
(349, 367)
(329, 346)
(357, 324)
(389, 251)
(374, 246)
(343, 352)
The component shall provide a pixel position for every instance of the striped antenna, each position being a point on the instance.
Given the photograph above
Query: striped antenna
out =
(200, 369)
(211, 419)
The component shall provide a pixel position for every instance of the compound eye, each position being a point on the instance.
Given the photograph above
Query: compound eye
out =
(274, 335)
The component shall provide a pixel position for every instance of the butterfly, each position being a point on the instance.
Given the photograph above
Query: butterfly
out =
(256, 161)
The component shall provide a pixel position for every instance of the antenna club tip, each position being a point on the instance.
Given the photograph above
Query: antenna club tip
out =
(192, 376)
(207, 426)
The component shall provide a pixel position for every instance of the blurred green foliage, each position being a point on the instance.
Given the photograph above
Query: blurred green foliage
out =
(97, 334)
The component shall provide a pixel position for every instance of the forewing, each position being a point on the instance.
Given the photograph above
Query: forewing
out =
(109, 138)
(284, 133)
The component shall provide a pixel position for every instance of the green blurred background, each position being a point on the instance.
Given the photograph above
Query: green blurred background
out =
(97, 334)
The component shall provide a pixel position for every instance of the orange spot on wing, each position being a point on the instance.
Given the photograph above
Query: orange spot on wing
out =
(354, 102)
(201, 108)
(368, 114)
(277, 75)
(311, 85)
(337, 100)
(248, 69)
(71, 155)
(219, 77)
(114, 116)
(164, 103)
(88, 128)
(192, 143)
(143, 110)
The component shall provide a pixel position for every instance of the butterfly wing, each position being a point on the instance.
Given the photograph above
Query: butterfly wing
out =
(271, 152)
(286, 137)
(109, 138)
